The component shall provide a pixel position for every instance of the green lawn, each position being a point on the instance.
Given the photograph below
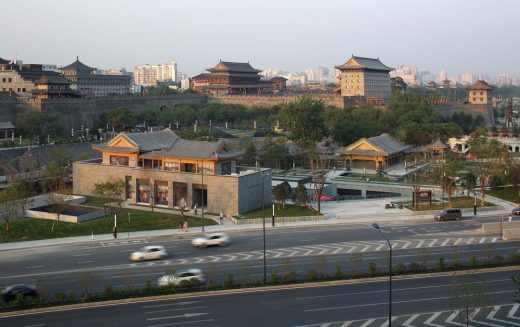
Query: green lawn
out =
(35, 229)
(506, 193)
(458, 202)
(291, 210)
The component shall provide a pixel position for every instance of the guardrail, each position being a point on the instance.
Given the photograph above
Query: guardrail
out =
(499, 226)
(278, 220)
(511, 234)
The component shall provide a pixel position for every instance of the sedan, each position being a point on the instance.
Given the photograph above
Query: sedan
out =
(516, 211)
(177, 278)
(151, 252)
(27, 291)
(215, 239)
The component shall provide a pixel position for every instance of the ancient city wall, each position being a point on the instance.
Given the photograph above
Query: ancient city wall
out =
(448, 110)
(270, 100)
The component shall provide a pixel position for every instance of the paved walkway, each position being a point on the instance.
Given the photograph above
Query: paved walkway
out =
(337, 212)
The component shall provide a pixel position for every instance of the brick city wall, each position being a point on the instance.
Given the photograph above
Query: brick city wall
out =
(270, 100)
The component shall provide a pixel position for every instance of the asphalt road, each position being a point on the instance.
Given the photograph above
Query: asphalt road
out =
(424, 301)
(94, 265)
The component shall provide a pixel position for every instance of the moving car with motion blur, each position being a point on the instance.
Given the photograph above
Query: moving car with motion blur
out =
(151, 252)
(214, 239)
(27, 292)
(183, 275)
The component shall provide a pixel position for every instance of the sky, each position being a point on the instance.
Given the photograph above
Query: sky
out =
(291, 35)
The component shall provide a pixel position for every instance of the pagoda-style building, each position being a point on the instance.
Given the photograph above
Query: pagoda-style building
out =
(53, 86)
(478, 93)
(233, 78)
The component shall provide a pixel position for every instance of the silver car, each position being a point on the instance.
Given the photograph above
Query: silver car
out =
(214, 239)
(178, 277)
(151, 252)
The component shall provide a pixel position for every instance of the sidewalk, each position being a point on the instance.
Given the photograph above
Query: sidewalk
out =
(338, 213)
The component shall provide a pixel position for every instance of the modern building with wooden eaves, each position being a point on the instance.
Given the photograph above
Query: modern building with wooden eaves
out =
(374, 153)
(160, 169)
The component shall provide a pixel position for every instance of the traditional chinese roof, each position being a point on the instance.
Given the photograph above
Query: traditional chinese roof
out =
(236, 67)
(383, 144)
(3, 61)
(199, 150)
(201, 76)
(52, 79)
(279, 78)
(481, 85)
(364, 63)
(77, 65)
(438, 144)
(6, 125)
(150, 141)
(34, 75)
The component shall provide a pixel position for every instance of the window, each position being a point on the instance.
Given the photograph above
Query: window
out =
(3, 79)
(172, 166)
(481, 93)
(10, 80)
(119, 160)
(481, 99)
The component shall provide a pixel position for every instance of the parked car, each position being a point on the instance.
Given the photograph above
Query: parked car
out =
(27, 291)
(151, 252)
(214, 239)
(448, 214)
(179, 276)
(516, 211)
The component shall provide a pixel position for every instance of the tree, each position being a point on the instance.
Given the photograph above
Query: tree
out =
(37, 124)
(182, 205)
(467, 296)
(111, 191)
(320, 168)
(453, 165)
(12, 202)
(119, 118)
(280, 194)
(490, 155)
(273, 152)
(302, 196)
(249, 156)
(470, 181)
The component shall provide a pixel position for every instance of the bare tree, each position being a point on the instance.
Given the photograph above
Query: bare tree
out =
(356, 260)
(12, 202)
(466, 297)
(246, 273)
(320, 167)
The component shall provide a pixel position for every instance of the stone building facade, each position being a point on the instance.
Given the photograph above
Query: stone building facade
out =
(21, 79)
(160, 169)
(365, 77)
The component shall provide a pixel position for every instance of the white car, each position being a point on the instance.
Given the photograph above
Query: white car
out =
(151, 252)
(178, 277)
(218, 239)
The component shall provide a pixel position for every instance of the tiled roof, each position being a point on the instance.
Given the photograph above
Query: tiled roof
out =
(34, 75)
(366, 63)
(199, 150)
(481, 85)
(52, 79)
(77, 65)
(3, 61)
(6, 125)
(203, 75)
(242, 67)
(384, 142)
(150, 141)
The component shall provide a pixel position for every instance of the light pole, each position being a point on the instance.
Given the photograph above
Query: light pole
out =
(474, 203)
(376, 226)
(202, 195)
(263, 224)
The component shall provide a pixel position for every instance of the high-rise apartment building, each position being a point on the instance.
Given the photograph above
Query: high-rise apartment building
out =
(148, 75)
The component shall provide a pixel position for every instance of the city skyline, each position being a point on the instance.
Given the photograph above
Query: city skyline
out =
(289, 36)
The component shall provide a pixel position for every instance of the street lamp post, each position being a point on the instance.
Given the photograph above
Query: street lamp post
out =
(501, 228)
(263, 225)
(202, 195)
(376, 226)
(474, 203)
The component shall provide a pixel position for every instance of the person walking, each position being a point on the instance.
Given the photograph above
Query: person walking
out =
(510, 218)
(181, 226)
(195, 208)
(185, 226)
(221, 218)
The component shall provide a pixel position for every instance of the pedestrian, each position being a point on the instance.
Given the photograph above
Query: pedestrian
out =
(221, 218)
(181, 227)
(510, 218)
(185, 226)
(195, 208)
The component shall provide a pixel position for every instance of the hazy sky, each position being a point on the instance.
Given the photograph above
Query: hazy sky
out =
(454, 35)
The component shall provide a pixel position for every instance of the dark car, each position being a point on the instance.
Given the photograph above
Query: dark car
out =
(516, 211)
(27, 291)
(448, 214)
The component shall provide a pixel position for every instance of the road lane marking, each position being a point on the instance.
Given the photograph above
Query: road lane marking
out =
(82, 255)
(182, 323)
(429, 321)
(169, 310)
(186, 315)
(33, 267)
(181, 252)
(35, 325)
(169, 304)
(307, 240)
(88, 261)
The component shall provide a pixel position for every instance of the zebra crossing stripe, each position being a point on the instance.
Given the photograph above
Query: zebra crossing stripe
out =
(406, 245)
(432, 243)
(346, 324)
(491, 316)
(409, 321)
(470, 241)
(429, 321)
(453, 316)
(420, 244)
(368, 322)
(513, 311)
(482, 240)
(445, 242)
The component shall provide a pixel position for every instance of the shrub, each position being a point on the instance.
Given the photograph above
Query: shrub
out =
(400, 268)
(414, 267)
(499, 260)
(59, 296)
(442, 264)
(312, 274)
(108, 292)
(275, 278)
(513, 257)
(372, 268)
(291, 277)
(337, 272)
(473, 262)
(229, 281)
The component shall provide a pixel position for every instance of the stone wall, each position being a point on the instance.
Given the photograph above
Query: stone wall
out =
(270, 100)
(475, 110)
